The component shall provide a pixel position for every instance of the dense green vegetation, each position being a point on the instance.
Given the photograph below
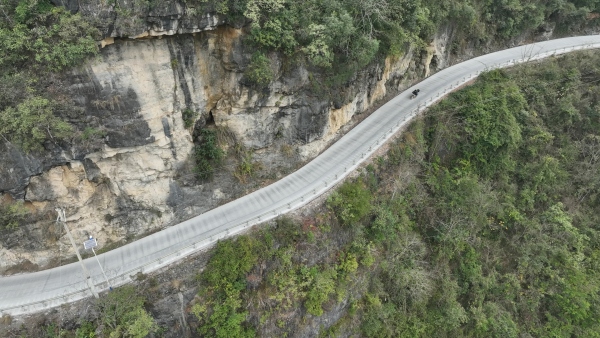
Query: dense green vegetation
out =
(122, 314)
(479, 222)
(339, 37)
(500, 203)
(37, 40)
(259, 70)
(232, 271)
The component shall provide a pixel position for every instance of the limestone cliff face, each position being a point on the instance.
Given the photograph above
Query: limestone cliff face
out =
(125, 183)
(137, 19)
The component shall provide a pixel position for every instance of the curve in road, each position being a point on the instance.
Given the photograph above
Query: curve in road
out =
(41, 290)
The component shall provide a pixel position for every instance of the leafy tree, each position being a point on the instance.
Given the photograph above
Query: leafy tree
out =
(259, 70)
(491, 123)
(37, 39)
(224, 279)
(34, 31)
(123, 314)
(32, 123)
(230, 263)
(350, 202)
(322, 286)
(225, 320)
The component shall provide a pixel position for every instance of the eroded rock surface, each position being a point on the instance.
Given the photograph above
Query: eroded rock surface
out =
(138, 19)
(123, 181)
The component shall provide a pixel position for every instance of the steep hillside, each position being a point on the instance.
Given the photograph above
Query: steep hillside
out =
(479, 221)
(187, 105)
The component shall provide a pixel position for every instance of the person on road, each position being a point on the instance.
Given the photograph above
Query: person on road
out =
(415, 93)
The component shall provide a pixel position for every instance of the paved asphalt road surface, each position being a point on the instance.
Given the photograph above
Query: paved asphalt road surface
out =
(26, 293)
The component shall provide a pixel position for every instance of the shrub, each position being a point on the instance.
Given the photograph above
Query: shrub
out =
(351, 202)
(259, 70)
(86, 330)
(43, 36)
(207, 154)
(37, 39)
(12, 215)
(189, 117)
(32, 123)
(322, 287)
(90, 133)
(246, 168)
(123, 314)
(220, 313)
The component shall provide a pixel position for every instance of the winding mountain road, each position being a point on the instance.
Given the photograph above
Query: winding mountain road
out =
(32, 292)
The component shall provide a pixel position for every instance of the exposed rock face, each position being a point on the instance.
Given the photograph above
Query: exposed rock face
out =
(137, 19)
(123, 184)
(16, 169)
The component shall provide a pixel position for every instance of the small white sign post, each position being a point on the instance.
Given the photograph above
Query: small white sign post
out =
(88, 279)
(91, 243)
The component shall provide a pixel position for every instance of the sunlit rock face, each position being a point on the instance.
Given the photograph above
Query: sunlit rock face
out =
(122, 182)
(139, 19)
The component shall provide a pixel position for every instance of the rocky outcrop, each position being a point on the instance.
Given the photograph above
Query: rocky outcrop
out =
(139, 19)
(122, 181)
